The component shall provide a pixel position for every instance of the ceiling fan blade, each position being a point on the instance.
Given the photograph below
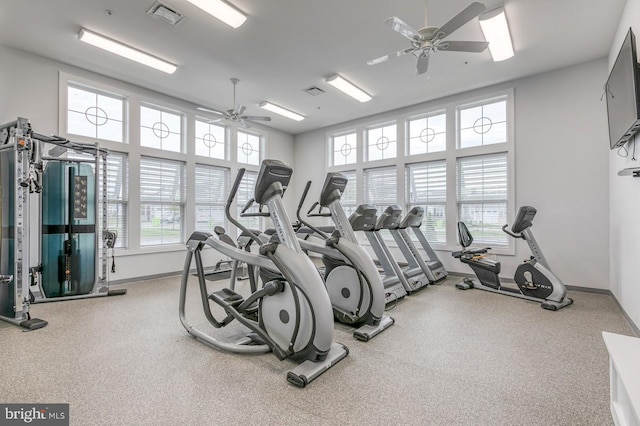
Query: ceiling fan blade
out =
(464, 46)
(385, 58)
(212, 111)
(255, 118)
(470, 12)
(217, 120)
(423, 63)
(240, 109)
(244, 124)
(399, 26)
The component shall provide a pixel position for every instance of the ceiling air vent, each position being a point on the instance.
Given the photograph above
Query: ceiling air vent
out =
(165, 13)
(314, 91)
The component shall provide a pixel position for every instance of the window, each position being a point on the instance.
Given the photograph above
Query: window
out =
(476, 160)
(249, 148)
(427, 134)
(427, 188)
(160, 128)
(349, 200)
(483, 124)
(211, 140)
(162, 200)
(380, 188)
(212, 188)
(483, 196)
(382, 142)
(95, 114)
(118, 196)
(345, 149)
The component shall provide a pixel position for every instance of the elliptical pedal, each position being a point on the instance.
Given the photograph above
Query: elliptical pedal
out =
(226, 297)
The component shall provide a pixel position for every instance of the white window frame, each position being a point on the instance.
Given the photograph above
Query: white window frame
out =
(333, 150)
(226, 141)
(181, 203)
(367, 145)
(201, 201)
(167, 110)
(450, 155)
(136, 97)
(260, 146)
(428, 115)
(411, 200)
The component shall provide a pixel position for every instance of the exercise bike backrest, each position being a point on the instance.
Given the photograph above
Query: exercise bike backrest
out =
(465, 239)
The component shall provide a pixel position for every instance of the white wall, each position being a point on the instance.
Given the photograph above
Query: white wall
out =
(624, 201)
(29, 89)
(561, 169)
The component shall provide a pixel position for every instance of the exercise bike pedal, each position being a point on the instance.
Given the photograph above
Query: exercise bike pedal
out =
(465, 284)
(226, 297)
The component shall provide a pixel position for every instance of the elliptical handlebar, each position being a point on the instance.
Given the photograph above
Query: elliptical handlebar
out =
(304, 222)
(227, 210)
(512, 234)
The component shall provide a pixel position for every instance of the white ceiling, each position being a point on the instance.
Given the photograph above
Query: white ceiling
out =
(286, 46)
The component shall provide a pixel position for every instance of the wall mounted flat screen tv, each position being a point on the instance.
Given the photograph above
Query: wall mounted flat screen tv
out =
(623, 99)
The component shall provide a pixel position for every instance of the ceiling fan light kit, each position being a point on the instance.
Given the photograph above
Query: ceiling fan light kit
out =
(347, 87)
(125, 51)
(280, 110)
(221, 10)
(496, 31)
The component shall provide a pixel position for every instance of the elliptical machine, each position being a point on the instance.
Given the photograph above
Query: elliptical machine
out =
(291, 315)
(351, 278)
(533, 277)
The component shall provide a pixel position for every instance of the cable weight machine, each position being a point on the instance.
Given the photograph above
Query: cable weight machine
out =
(69, 255)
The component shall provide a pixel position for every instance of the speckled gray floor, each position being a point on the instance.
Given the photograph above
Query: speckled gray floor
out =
(452, 357)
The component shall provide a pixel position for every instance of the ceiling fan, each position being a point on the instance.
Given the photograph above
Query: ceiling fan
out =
(428, 40)
(235, 114)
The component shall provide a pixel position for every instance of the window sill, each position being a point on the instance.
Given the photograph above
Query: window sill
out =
(173, 248)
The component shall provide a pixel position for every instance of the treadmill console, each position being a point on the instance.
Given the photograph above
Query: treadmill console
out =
(273, 178)
(390, 219)
(364, 218)
(524, 219)
(333, 188)
(413, 219)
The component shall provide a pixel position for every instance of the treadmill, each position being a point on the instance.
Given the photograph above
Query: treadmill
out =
(364, 219)
(414, 274)
(431, 266)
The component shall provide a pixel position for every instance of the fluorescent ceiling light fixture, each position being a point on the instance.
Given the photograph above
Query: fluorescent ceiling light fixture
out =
(347, 87)
(221, 10)
(496, 31)
(282, 111)
(123, 50)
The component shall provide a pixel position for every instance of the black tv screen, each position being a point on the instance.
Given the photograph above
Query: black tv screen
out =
(623, 107)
